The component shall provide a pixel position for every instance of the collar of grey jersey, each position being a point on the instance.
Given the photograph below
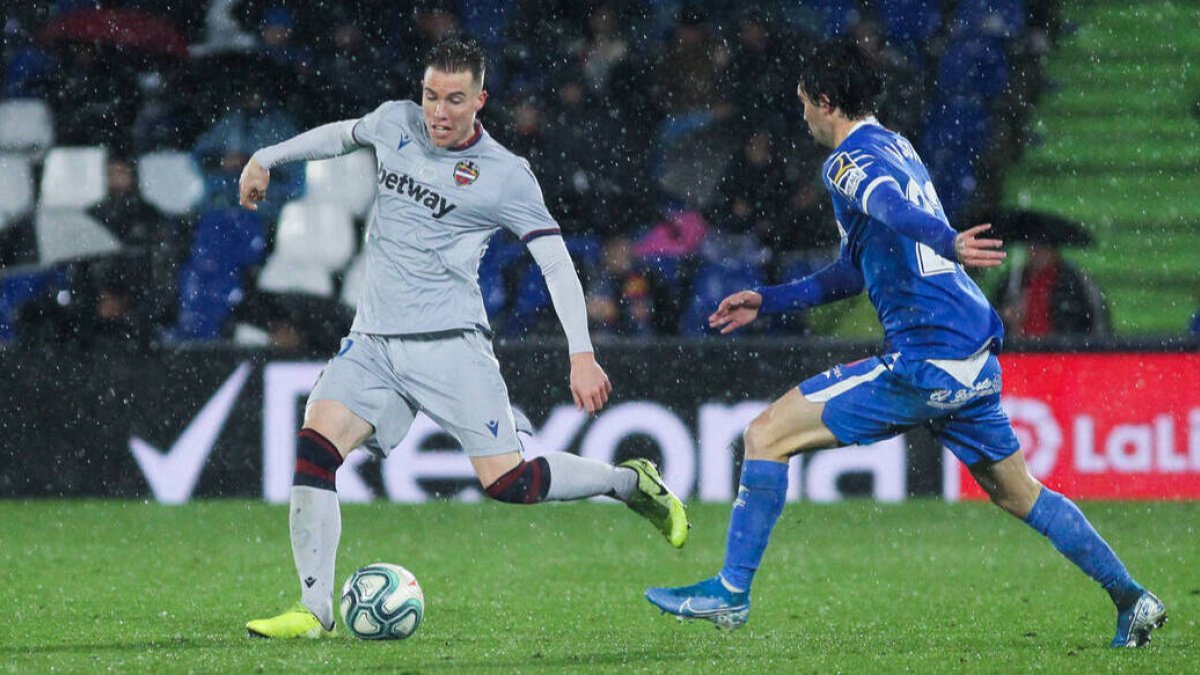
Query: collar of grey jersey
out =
(471, 142)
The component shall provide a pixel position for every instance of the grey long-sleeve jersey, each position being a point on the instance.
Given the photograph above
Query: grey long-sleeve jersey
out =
(435, 211)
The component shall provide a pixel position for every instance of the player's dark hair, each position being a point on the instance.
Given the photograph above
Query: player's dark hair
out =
(456, 54)
(841, 71)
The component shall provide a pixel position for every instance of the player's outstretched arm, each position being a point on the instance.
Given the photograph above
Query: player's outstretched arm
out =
(891, 207)
(736, 311)
(252, 186)
(839, 280)
(323, 142)
(590, 386)
(975, 252)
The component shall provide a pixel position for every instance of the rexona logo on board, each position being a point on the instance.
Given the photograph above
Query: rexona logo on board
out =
(1102, 426)
(696, 464)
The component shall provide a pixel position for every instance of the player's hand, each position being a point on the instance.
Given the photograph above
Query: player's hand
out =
(252, 186)
(735, 311)
(975, 252)
(589, 384)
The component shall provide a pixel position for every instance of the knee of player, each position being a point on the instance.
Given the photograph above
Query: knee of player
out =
(526, 483)
(757, 440)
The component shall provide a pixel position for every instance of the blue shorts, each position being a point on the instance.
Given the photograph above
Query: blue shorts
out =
(874, 399)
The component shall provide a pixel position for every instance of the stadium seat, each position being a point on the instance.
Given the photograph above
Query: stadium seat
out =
(26, 126)
(313, 241)
(910, 20)
(16, 187)
(973, 67)
(348, 181)
(585, 249)
(69, 234)
(670, 271)
(688, 158)
(73, 178)
(819, 18)
(486, 20)
(283, 275)
(203, 308)
(502, 253)
(989, 18)
(955, 136)
(246, 335)
(170, 181)
(532, 294)
(317, 233)
(531, 298)
(225, 243)
(909, 25)
(16, 288)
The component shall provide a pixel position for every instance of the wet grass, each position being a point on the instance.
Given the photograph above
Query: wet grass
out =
(853, 587)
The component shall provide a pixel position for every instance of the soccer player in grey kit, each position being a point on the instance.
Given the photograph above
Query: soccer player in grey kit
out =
(420, 339)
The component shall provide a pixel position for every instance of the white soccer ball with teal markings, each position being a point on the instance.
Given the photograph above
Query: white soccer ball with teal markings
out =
(382, 601)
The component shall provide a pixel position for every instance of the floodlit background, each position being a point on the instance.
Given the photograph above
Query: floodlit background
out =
(157, 342)
(666, 136)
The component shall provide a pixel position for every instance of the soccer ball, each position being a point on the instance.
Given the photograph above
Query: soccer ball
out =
(382, 601)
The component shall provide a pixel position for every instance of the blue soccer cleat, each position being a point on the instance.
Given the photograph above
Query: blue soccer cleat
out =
(1135, 624)
(708, 600)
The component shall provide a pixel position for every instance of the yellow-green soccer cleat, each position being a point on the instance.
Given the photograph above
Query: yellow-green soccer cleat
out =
(654, 501)
(296, 622)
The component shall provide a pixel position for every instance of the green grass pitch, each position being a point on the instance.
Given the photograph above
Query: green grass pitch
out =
(922, 586)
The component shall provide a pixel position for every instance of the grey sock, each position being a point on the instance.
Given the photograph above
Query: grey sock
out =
(315, 521)
(575, 477)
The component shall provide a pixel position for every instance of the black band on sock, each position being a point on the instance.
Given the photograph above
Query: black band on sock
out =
(317, 461)
(526, 483)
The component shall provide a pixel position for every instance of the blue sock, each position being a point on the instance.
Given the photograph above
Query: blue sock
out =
(1065, 526)
(758, 505)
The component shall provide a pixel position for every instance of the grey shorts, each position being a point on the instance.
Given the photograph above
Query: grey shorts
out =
(454, 379)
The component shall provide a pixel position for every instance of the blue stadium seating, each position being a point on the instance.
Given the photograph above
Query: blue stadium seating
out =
(501, 255)
(994, 18)
(226, 242)
(18, 288)
(955, 136)
(838, 14)
(532, 295)
(714, 280)
(973, 66)
(910, 20)
(909, 25)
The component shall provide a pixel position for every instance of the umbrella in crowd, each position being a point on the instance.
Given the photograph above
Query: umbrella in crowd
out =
(117, 27)
(1038, 227)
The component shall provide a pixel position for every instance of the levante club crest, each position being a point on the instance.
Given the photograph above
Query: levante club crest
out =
(465, 173)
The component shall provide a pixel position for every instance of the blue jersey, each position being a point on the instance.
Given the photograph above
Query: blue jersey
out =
(927, 304)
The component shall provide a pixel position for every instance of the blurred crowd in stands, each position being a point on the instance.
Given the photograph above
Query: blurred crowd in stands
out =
(666, 136)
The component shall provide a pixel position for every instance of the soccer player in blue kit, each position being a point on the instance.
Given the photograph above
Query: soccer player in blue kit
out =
(939, 367)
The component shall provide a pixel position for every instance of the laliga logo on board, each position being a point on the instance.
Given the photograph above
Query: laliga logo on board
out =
(1037, 431)
(1098, 446)
(702, 457)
